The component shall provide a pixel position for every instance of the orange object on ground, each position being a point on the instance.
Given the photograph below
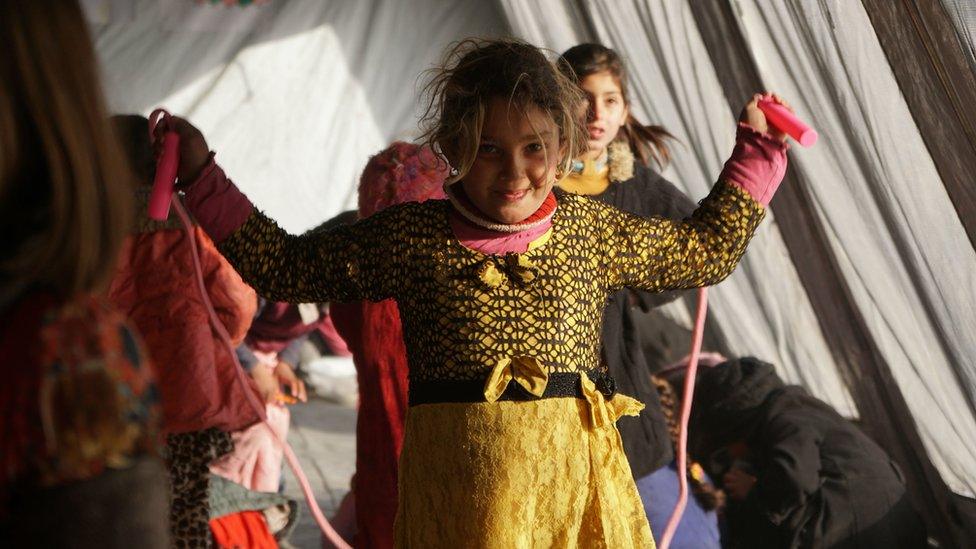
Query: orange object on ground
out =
(246, 529)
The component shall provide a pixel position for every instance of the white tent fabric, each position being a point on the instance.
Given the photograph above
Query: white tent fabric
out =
(900, 243)
(294, 96)
(902, 247)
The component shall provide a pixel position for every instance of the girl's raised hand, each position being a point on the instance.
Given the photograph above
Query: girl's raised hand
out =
(753, 115)
(194, 151)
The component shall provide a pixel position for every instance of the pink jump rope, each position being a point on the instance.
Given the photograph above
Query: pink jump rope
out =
(159, 205)
(780, 117)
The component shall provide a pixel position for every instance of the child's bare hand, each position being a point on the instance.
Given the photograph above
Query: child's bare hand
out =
(753, 115)
(738, 483)
(194, 151)
(286, 377)
(267, 384)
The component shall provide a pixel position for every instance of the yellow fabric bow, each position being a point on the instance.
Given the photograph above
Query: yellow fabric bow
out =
(605, 412)
(494, 270)
(526, 371)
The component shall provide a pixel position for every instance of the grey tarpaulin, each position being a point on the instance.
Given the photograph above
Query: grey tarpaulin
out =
(294, 96)
(963, 14)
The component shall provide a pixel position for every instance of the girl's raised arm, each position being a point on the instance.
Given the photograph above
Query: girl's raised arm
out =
(349, 263)
(658, 254)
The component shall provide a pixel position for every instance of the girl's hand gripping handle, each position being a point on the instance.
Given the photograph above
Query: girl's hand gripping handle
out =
(166, 165)
(783, 119)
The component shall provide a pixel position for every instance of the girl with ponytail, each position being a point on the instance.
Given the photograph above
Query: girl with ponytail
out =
(617, 168)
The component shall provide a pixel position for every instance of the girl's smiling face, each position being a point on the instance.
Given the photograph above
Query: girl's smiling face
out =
(515, 167)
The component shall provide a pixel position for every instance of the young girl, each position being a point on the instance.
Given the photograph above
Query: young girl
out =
(615, 169)
(80, 466)
(510, 439)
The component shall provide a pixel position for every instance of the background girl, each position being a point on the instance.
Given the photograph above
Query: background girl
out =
(400, 173)
(616, 169)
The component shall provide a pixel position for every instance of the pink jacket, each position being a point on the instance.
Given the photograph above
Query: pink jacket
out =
(155, 286)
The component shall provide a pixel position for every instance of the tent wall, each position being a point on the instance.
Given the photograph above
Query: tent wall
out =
(294, 96)
(892, 226)
(931, 48)
(963, 15)
(884, 411)
(933, 68)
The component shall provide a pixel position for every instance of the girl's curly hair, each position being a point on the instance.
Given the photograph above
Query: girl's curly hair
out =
(476, 71)
(708, 495)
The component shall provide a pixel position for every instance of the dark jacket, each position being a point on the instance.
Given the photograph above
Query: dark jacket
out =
(821, 481)
(645, 437)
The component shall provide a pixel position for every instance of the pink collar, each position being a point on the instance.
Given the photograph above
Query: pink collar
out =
(492, 242)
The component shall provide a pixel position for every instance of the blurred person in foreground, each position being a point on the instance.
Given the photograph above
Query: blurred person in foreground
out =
(77, 402)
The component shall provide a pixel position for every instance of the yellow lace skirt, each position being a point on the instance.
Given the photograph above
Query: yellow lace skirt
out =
(508, 474)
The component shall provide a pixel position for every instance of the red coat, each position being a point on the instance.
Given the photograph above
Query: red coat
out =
(375, 337)
(156, 286)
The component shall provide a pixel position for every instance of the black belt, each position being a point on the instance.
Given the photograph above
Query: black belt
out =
(560, 384)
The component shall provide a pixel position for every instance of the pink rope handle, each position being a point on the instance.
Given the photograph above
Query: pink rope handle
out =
(167, 165)
(327, 530)
(158, 116)
(686, 396)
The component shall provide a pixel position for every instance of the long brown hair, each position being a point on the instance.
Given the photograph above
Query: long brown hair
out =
(476, 71)
(646, 142)
(65, 189)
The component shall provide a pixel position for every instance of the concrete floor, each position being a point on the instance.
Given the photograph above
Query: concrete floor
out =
(323, 436)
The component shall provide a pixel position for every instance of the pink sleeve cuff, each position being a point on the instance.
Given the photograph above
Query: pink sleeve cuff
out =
(216, 203)
(758, 163)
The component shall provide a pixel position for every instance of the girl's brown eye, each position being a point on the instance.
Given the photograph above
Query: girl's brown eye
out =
(534, 147)
(487, 148)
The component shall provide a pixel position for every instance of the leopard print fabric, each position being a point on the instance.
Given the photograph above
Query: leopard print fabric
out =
(189, 457)
(457, 327)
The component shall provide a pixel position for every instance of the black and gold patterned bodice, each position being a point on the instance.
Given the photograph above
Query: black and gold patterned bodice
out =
(463, 311)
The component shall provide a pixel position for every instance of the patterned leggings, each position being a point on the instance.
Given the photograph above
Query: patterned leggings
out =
(189, 460)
